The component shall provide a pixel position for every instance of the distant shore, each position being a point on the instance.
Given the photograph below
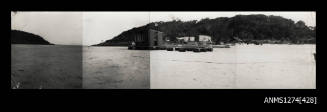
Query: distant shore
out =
(222, 44)
(22, 37)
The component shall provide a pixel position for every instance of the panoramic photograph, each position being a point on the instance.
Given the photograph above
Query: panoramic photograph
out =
(163, 50)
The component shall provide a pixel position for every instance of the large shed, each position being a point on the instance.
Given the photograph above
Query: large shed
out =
(148, 39)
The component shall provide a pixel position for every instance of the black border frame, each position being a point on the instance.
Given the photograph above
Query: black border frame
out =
(233, 96)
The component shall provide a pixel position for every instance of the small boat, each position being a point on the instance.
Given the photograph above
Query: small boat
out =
(221, 46)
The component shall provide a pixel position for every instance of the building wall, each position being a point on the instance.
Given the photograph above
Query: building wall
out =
(155, 36)
(141, 38)
(161, 40)
(204, 38)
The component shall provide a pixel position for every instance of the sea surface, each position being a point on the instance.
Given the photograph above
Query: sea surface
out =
(268, 66)
(115, 68)
(46, 66)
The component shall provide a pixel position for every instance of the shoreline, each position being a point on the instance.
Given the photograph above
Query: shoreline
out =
(127, 46)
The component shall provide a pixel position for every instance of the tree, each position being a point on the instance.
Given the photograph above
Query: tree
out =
(223, 29)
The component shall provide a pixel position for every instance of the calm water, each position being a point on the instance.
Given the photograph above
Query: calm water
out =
(46, 66)
(238, 67)
(115, 68)
(241, 66)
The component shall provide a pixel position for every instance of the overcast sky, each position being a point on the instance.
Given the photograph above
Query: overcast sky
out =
(55, 27)
(89, 28)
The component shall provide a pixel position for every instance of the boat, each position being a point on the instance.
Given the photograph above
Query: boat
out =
(221, 46)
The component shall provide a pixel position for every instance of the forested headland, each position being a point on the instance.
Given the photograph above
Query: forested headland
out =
(248, 28)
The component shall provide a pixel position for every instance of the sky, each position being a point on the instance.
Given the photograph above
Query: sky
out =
(88, 28)
(56, 27)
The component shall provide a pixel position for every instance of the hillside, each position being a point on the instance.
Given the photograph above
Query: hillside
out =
(21, 37)
(246, 27)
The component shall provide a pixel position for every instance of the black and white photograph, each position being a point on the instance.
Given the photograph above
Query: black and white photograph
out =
(46, 50)
(163, 50)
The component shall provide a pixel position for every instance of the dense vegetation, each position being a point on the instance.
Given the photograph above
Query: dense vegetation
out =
(249, 28)
(21, 37)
